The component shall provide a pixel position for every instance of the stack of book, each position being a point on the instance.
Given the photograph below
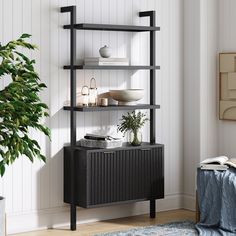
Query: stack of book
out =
(218, 163)
(100, 61)
(99, 141)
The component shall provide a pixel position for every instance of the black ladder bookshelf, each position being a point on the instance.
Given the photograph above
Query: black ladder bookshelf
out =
(73, 156)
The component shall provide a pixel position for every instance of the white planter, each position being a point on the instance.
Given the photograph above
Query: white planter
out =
(2, 217)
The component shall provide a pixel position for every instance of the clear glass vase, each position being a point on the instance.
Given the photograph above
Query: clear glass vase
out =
(135, 137)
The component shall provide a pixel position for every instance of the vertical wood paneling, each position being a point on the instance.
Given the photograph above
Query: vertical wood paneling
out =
(88, 47)
(113, 44)
(227, 37)
(17, 168)
(200, 119)
(1, 81)
(7, 35)
(159, 73)
(81, 55)
(30, 188)
(26, 164)
(36, 38)
(56, 42)
(166, 84)
(96, 45)
(45, 73)
(104, 74)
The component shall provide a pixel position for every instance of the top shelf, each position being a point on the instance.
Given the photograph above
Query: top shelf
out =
(109, 27)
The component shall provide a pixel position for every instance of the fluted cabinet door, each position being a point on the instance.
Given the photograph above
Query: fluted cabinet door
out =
(111, 177)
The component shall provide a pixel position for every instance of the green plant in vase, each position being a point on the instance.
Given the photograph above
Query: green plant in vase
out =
(21, 108)
(132, 122)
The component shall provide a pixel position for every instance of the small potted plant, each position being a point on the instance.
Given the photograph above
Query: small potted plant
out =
(21, 109)
(132, 123)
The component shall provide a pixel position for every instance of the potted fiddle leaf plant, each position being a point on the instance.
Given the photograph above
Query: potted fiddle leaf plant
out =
(132, 123)
(21, 109)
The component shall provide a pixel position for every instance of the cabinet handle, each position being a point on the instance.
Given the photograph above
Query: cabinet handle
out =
(145, 149)
(111, 152)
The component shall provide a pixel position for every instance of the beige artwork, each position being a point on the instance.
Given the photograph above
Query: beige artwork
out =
(227, 86)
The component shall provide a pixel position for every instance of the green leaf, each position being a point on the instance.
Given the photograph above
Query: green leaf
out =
(132, 121)
(43, 158)
(21, 108)
(2, 169)
(23, 36)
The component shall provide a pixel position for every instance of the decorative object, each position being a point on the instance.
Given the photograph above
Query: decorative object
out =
(85, 96)
(133, 122)
(127, 96)
(21, 109)
(101, 61)
(135, 138)
(104, 102)
(93, 93)
(182, 228)
(227, 86)
(111, 101)
(105, 51)
(108, 143)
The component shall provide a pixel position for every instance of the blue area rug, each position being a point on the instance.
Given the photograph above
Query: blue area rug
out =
(183, 228)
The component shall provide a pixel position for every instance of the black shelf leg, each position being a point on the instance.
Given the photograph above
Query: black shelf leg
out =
(152, 208)
(72, 11)
(152, 16)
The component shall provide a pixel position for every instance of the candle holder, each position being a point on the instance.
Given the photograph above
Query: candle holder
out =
(93, 93)
(85, 96)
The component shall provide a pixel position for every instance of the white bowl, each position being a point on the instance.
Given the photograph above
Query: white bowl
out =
(127, 96)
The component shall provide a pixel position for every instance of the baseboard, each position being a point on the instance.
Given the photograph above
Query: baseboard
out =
(58, 217)
(189, 202)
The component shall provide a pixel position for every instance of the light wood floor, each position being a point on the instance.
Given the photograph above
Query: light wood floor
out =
(117, 224)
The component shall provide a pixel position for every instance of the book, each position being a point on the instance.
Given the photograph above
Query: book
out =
(99, 137)
(218, 163)
(106, 63)
(214, 167)
(100, 61)
(115, 143)
(95, 137)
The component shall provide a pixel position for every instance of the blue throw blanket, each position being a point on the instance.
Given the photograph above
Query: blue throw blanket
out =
(217, 202)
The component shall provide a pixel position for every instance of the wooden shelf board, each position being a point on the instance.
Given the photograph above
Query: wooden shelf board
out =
(88, 67)
(112, 107)
(109, 27)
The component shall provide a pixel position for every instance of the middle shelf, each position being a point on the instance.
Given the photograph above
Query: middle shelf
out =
(112, 107)
(84, 67)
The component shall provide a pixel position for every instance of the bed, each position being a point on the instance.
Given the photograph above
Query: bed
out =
(216, 193)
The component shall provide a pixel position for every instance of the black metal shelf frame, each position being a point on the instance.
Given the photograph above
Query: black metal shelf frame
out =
(73, 67)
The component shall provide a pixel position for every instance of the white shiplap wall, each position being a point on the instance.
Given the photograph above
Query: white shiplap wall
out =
(200, 86)
(227, 39)
(34, 193)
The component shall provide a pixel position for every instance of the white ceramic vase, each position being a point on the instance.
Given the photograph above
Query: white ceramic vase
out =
(2, 217)
(105, 51)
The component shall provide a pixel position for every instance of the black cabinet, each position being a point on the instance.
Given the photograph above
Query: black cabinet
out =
(115, 176)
